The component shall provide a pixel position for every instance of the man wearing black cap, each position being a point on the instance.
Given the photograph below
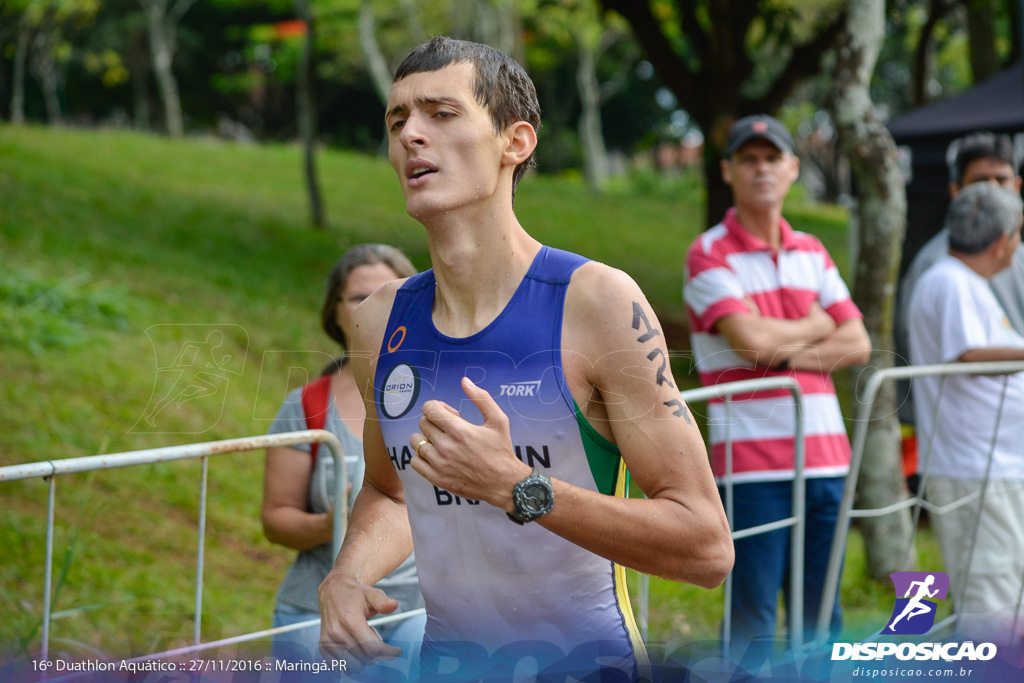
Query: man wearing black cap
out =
(766, 300)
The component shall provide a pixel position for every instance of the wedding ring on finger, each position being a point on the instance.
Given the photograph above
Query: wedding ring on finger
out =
(419, 445)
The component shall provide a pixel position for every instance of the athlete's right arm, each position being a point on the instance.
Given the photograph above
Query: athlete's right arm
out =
(378, 537)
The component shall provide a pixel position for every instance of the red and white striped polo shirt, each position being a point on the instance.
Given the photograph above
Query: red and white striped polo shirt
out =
(723, 266)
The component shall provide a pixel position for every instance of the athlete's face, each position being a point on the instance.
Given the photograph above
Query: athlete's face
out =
(361, 283)
(441, 142)
(760, 174)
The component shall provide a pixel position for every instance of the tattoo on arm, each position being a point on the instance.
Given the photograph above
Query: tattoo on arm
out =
(680, 410)
(662, 379)
(638, 317)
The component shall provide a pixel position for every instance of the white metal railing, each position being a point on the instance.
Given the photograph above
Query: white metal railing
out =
(51, 469)
(846, 511)
(796, 521)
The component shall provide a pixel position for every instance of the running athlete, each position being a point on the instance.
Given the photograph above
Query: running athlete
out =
(510, 383)
(915, 606)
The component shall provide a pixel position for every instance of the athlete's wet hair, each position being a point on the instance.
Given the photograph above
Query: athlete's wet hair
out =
(501, 85)
(359, 255)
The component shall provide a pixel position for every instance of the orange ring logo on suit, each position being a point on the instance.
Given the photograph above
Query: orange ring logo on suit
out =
(392, 347)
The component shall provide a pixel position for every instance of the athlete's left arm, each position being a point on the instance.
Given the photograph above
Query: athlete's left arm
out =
(612, 341)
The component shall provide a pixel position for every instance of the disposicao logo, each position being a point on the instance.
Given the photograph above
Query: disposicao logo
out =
(914, 613)
(917, 594)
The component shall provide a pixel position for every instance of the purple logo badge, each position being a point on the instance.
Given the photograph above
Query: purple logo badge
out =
(916, 596)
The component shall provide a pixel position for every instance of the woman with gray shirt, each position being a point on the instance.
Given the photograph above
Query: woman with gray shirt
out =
(297, 505)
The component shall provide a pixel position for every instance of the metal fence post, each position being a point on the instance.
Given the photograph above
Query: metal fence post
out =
(726, 391)
(49, 469)
(48, 576)
(796, 549)
(846, 511)
(727, 603)
(981, 503)
(198, 626)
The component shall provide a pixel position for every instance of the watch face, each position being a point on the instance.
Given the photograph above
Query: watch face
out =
(536, 497)
(533, 497)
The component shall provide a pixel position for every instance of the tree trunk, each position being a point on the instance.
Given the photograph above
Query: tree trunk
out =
(138, 71)
(492, 22)
(595, 156)
(3, 83)
(510, 30)
(1017, 31)
(882, 213)
(44, 67)
(486, 26)
(460, 17)
(984, 60)
(715, 37)
(719, 195)
(413, 21)
(922, 63)
(161, 49)
(306, 105)
(18, 78)
(380, 74)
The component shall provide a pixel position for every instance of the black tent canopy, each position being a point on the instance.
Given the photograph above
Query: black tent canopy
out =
(996, 104)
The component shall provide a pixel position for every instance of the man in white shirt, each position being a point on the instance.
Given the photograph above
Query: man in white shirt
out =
(972, 430)
(981, 157)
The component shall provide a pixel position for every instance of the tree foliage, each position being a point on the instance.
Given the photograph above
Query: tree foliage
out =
(575, 26)
(931, 48)
(724, 59)
(236, 64)
(44, 38)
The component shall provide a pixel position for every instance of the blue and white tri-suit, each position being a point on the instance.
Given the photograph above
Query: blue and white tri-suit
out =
(497, 592)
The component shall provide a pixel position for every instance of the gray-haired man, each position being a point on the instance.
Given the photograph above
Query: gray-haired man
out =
(981, 157)
(954, 317)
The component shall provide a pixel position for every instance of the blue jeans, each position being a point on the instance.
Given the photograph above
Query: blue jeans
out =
(303, 645)
(763, 563)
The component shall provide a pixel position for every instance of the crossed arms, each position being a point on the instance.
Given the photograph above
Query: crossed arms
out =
(814, 342)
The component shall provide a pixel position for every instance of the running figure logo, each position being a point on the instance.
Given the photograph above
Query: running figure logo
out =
(914, 613)
(194, 366)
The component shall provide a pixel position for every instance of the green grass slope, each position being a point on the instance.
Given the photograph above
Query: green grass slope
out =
(119, 252)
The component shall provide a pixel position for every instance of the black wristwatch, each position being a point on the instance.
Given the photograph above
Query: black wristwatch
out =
(533, 498)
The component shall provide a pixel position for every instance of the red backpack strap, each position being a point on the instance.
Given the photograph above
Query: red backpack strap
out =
(316, 398)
